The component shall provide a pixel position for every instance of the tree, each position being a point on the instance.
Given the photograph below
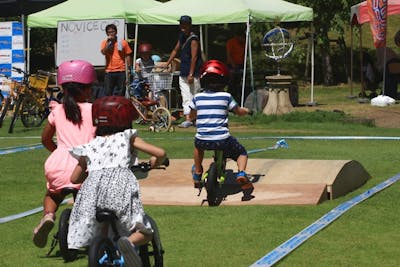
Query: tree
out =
(329, 16)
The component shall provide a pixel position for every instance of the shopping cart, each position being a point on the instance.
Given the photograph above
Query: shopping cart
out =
(161, 85)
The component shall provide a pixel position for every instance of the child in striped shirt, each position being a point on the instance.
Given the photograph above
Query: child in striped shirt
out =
(210, 108)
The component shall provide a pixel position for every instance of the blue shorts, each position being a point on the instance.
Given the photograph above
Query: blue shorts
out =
(231, 147)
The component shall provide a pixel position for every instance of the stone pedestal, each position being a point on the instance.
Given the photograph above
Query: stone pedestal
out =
(278, 95)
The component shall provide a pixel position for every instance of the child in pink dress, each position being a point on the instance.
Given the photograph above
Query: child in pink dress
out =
(71, 123)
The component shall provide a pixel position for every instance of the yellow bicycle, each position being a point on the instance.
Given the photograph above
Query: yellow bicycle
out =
(33, 99)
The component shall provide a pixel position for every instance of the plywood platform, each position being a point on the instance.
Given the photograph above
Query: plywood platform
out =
(276, 182)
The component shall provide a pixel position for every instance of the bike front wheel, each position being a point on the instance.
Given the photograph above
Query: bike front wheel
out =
(15, 114)
(161, 119)
(4, 108)
(102, 252)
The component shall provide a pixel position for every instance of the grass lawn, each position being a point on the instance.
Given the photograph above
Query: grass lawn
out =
(367, 235)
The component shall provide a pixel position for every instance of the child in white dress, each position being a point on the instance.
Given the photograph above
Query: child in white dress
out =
(110, 184)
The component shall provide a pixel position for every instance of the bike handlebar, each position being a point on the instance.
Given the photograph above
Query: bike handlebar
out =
(19, 70)
(46, 73)
(40, 72)
(146, 166)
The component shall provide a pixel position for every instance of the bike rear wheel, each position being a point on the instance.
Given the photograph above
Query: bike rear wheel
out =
(102, 252)
(67, 254)
(212, 186)
(152, 253)
(32, 114)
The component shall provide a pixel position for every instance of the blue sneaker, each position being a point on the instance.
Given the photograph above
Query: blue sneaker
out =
(243, 181)
(196, 178)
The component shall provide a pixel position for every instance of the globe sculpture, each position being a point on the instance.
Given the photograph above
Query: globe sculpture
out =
(278, 45)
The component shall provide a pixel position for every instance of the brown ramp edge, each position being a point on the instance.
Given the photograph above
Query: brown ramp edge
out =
(276, 182)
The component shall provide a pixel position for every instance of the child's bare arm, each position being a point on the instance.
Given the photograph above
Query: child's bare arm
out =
(241, 111)
(158, 154)
(79, 174)
(193, 114)
(47, 137)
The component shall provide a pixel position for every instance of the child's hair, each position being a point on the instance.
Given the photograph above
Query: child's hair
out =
(71, 92)
(109, 130)
(112, 114)
(214, 75)
(74, 76)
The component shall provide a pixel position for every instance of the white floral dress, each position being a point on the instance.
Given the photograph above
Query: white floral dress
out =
(109, 185)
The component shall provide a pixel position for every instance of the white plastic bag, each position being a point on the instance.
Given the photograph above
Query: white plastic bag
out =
(382, 101)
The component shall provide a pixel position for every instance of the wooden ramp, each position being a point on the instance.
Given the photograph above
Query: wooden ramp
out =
(276, 182)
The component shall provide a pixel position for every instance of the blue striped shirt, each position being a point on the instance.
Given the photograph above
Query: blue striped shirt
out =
(212, 114)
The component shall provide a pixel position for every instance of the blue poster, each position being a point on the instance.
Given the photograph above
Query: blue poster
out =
(12, 53)
(17, 28)
(18, 56)
(5, 42)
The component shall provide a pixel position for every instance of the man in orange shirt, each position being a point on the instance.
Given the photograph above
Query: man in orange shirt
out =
(117, 53)
(235, 48)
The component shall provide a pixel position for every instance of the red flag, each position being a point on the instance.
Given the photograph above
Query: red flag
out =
(377, 11)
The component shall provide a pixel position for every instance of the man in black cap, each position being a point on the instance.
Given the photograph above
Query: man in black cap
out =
(190, 54)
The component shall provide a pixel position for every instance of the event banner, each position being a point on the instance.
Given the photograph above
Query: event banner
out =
(377, 11)
(11, 53)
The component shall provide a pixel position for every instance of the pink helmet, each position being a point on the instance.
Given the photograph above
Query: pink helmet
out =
(116, 111)
(79, 71)
(143, 48)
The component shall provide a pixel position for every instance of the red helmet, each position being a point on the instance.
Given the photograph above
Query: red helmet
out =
(115, 111)
(214, 75)
(214, 67)
(143, 48)
(79, 71)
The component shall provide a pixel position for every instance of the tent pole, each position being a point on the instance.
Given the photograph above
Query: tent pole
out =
(135, 46)
(201, 38)
(127, 71)
(28, 51)
(312, 103)
(206, 41)
(245, 60)
(361, 64)
(23, 41)
(351, 61)
(251, 69)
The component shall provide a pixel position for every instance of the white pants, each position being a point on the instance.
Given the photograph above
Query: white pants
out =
(188, 91)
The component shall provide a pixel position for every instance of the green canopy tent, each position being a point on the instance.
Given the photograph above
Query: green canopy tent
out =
(227, 11)
(87, 10)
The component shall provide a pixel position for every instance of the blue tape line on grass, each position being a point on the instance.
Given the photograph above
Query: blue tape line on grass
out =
(26, 213)
(19, 149)
(396, 138)
(291, 244)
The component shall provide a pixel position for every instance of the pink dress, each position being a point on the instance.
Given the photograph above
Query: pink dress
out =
(60, 164)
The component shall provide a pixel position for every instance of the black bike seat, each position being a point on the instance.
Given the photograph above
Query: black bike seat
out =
(69, 190)
(104, 215)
